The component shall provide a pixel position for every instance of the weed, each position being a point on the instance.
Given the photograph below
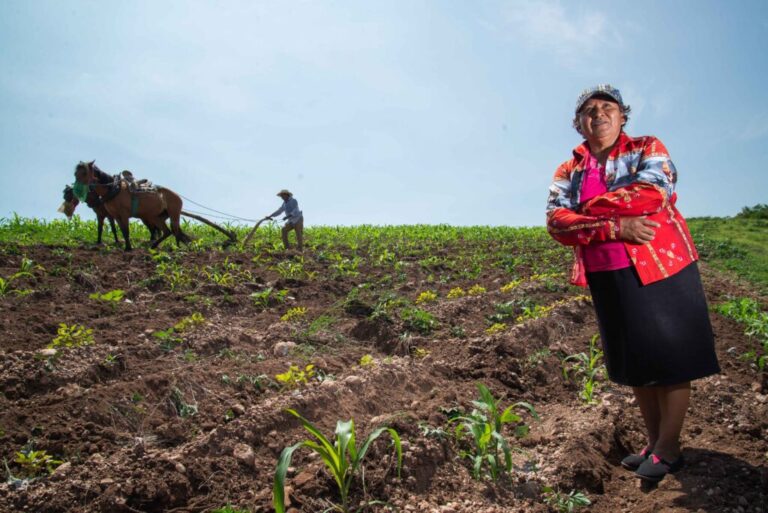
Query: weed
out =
(512, 285)
(565, 503)
(456, 292)
(420, 352)
(495, 328)
(366, 360)
(419, 320)
(458, 332)
(430, 431)
(342, 457)
(426, 297)
(537, 357)
(476, 290)
(321, 323)
(485, 425)
(588, 367)
(36, 463)
(230, 509)
(183, 409)
(294, 314)
(294, 377)
(72, 336)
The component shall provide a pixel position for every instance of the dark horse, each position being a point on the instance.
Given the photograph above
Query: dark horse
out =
(153, 208)
(93, 201)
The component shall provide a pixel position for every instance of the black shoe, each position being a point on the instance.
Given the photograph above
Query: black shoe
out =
(633, 461)
(654, 468)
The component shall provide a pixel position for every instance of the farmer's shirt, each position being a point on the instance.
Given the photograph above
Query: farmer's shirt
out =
(291, 209)
(640, 178)
(600, 255)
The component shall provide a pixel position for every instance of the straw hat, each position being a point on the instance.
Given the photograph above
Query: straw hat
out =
(286, 192)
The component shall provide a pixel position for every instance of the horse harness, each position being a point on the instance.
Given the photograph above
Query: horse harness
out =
(137, 188)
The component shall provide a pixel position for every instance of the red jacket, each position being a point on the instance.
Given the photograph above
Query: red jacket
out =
(641, 179)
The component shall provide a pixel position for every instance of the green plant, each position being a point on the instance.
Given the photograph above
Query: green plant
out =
(537, 357)
(366, 360)
(497, 327)
(512, 285)
(72, 336)
(36, 463)
(342, 457)
(747, 311)
(294, 377)
(589, 367)
(269, 297)
(564, 503)
(293, 314)
(183, 409)
(458, 332)
(476, 290)
(426, 297)
(419, 320)
(456, 292)
(112, 298)
(485, 425)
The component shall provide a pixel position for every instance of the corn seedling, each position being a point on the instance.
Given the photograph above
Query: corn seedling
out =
(72, 336)
(565, 502)
(294, 377)
(456, 292)
(112, 298)
(485, 425)
(342, 457)
(587, 366)
(294, 314)
(426, 297)
(269, 297)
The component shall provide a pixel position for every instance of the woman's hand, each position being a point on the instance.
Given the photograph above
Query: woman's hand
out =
(637, 230)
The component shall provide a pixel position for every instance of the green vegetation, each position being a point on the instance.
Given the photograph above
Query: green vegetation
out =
(294, 377)
(485, 424)
(588, 367)
(72, 336)
(36, 463)
(112, 298)
(565, 502)
(294, 314)
(747, 311)
(737, 244)
(343, 458)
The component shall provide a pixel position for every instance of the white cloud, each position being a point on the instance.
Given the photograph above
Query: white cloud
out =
(548, 26)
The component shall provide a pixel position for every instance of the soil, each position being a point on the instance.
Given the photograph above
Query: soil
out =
(195, 424)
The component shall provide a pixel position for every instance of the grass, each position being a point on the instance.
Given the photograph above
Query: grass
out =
(734, 244)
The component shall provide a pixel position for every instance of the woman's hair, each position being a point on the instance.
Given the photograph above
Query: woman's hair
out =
(625, 109)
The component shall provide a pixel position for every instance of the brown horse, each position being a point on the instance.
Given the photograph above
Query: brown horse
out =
(93, 201)
(151, 207)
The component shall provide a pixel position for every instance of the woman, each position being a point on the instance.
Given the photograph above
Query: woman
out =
(614, 202)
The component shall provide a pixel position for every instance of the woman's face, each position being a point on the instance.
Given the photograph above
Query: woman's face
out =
(600, 121)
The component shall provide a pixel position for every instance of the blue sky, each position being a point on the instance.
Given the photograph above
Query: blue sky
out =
(385, 112)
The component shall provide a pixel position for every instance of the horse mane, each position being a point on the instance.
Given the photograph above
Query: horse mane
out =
(100, 175)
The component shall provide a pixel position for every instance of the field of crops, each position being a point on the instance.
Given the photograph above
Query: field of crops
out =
(159, 381)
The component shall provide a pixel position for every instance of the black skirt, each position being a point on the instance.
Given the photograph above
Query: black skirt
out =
(657, 334)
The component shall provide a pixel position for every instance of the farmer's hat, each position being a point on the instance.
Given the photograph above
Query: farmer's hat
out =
(599, 90)
(286, 192)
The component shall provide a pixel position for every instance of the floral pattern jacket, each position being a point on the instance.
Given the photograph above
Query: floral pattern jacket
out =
(641, 181)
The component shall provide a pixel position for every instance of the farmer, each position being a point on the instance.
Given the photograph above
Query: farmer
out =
(614, 202)
(294, 219)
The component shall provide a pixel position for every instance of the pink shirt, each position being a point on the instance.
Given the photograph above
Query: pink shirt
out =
(600, 256)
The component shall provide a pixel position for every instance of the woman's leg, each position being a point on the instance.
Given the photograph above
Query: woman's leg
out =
(673, 405)
(647, 399)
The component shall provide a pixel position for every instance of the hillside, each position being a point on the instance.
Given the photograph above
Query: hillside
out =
(176, 400)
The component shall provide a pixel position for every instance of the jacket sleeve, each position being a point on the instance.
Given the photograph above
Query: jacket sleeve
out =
(565, 224)
(650, 186)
